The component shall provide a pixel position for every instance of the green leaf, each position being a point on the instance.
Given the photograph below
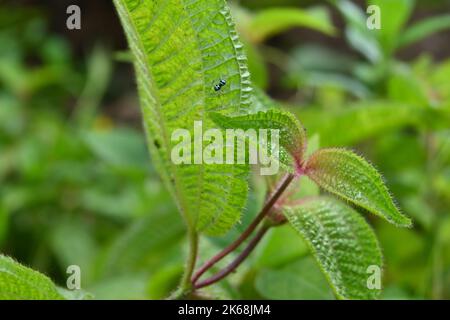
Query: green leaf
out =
(351, 177)
(145, 244)
(181, 49)
(131, 287)
(98, 75)
(269, 22)
(356, 31)
(342, 243)
(394, 15)
(424, 29)
(364, 43)
(113, 205)
(301, 280)
(164, 281)
(318, 66)
(279, 247)
(439, 79)
(400, 247)
(352, 13)
(312, 57)
(256, 65)
(261, 101)
(73, 244)
(359, 122)
(21, 283)
(121, 148)
(404, 86)
(291, 132)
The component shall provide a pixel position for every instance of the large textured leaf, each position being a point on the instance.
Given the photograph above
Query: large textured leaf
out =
(21, 283)
(341, 241)
(351, 177)
(181, 49)
(423, 29)
(275, 20)
(291, 132)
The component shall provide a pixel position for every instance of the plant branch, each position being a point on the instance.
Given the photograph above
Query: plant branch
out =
(186, 284)
(272, 199)
(235, 263)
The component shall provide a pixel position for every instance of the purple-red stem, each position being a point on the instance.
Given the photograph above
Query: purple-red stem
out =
(233, 265)
(284, 183)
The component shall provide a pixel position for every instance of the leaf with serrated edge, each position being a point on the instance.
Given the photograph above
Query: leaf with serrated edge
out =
(182, 49)
(21, 283)
(292, 134)
(342, 243)
(349, 176)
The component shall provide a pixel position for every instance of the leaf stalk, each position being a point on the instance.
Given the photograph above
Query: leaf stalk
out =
(272, 199)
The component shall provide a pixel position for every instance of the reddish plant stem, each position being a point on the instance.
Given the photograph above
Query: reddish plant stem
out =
(235, 263)
(284, 183)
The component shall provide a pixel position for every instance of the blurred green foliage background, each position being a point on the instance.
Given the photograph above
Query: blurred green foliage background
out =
(77, 185)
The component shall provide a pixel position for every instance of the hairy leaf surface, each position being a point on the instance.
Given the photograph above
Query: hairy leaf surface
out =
(21, 283)
(182, 48)
(342, 243)
(351, 177)
(291, 132)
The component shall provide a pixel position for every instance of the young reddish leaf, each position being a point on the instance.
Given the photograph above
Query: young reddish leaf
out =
(351, 177)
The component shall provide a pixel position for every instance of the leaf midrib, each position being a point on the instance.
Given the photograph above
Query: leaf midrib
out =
(145, 70)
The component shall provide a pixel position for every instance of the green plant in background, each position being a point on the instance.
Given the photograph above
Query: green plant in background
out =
(124, 231)
(51, 213)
